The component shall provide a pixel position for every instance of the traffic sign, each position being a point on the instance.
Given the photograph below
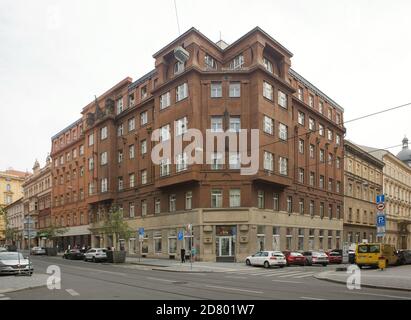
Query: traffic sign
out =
(141, 231)
(381, 221)
(381, 206)
(180, 235)
(380, 198)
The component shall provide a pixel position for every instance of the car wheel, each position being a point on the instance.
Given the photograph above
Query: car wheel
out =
(359, 266)
(266, 264)
(94, 259)
(281, 266)
(247, 262)
(324, 264)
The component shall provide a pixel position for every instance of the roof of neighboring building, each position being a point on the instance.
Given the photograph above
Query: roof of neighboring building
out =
(15, 173)
(368, 155)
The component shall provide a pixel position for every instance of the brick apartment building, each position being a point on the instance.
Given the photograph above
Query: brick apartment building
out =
(294, 201)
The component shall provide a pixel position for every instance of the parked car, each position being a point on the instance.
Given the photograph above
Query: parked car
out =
(334, 257)
(73, 254)
(368, 254)
(96, 254)
(315, 257)
(294, 258)
(351, 256)
(404, 257)
(13, 263)
(266, 259)
(11, 248)
(38, 251)
(3, 249)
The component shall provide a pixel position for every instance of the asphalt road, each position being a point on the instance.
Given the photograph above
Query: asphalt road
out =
(86, 280)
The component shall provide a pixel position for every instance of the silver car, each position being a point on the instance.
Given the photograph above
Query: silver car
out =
(14, 263)
(96, 254)
(38, 251)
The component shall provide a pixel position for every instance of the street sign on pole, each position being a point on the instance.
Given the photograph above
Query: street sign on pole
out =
(380, 206)
(180, 235)
(380, 198)
(381, 223)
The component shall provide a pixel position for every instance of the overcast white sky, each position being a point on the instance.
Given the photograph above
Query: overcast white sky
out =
(55, 55)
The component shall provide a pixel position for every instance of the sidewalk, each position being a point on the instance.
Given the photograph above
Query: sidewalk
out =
(396, 278)
(17, 283)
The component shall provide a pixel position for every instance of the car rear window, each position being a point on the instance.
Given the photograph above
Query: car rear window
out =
(296, 254)
(366, 248)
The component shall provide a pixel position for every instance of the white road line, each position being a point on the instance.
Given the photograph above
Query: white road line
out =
(72, 292)
(158, 279)
(276, 273)
(382, 295)
(235, 277)
(309, 274)
(235, 289)
(311, 298)
(286, 281)
(291, 274)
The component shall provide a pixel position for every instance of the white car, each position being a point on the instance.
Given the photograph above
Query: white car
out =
(267, 259)
(38, 251)
(95, 254)
(319, 258)
(14, 262)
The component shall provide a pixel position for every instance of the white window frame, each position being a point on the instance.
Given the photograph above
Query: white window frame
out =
(235, 198)
(282, 131)
(283, 166)
(268, 125)
(282, 99)
(181, 92)
(103, 133)
(268, 90)
(216, 89)
(216, 124)
(165, 100)
(216, 198)
(235, 89)
(268, 161)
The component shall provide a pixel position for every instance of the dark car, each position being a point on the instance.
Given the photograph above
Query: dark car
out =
(11, 248)
(73, 254)
(404, 257)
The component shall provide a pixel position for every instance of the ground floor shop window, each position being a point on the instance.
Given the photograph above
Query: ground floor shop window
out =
(172, 242)
(225, 241)
(276, 239)
(321, 240)
(260, 238)
(157, 242)
(300, 239)
(144, 245)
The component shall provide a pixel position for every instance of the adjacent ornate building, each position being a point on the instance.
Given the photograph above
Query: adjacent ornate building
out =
(293, 201)
(15, 218)
(363, 179)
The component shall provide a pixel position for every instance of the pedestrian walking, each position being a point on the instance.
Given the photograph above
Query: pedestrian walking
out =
(183, 255)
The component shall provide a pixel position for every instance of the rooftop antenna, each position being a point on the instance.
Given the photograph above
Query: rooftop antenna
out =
(178, 24)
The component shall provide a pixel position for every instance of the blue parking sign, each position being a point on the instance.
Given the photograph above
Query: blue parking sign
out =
(381, 221)
(180, 235)
(141, 231)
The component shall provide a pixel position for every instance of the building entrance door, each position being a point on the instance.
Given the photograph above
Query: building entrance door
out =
(225, 243)
(225, 247)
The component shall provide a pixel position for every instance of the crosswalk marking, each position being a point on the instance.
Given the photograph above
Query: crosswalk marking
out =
(291, 274)
(310, 274)
(279, 273)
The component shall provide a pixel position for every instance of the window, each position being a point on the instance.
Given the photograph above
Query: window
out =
(181, 126)
(103, 133)
(209, 62)
(311, 100)
(268, 65)
(189, 200)
(337, 139)
(62, 160)
(268, 161)
(120, 130)
(181, 92)
(216, 198)
(301, 118)
(68, 156)
(157, 242)
(165, 100)
(90, 140)
(301, 146)
(235, 198)
(312, 149)
(312, 207)
(81, 150)
(181, 162)
(120, 183)
(283, 165)
(144, 176)
(131, 124)
(144, 146)
(289, 204)
(321, 107)
(330, 159)
(74, 153)
(216, 90)
(120, 156)
(321, 182)
(165, 133)
(330, 135)
(164, 167)
(301, 93)
(312, 179)
(276, 202)
(172, 242)
(131, 179)
(321, 210)
(267, 90)
(322, 156)
(301, 175)
(337, 118)
(338, 212)
(144, 92)
(172, 202)
(103, 158)
(157, 205)
(235, 124)
(143, 118)
(143, 207)
(216, 161)
(178, 67)
(338, 162)
(283, 131)
(131, 100)
(81, 171)
(330, 184)
(234, 161)
(260, 199)
(237, 62)
(321, 130)
(216, 124)
(282, 99)
(311, 124)
(131, 151)
(330, 211)
(329, 113)
(235, 89)
(119, 106)
(90, 188)
(268, 125)
(104, 185)
(90, 164)
(301, 206)
(131, 212)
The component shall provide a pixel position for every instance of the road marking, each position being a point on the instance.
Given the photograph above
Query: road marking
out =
(6, 290)
(291, 274)
(95, 270)
(308, 274)
(234, 277)
(158, 279)
(287, 281)
(235, 289)
(382, 295)
(276, 273)
(72, 292)
(5, 298)
(311, 298)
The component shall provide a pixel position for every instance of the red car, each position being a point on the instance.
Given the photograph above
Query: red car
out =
(334, 257)
(294, 258)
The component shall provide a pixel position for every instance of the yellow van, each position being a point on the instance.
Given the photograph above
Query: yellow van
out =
(368, 254)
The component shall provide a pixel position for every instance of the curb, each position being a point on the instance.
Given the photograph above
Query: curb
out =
(182, 271)
(363, 285)
(21, 289)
